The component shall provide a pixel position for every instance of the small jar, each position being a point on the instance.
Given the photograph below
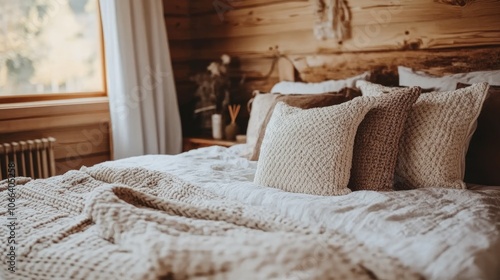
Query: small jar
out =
(217, 126)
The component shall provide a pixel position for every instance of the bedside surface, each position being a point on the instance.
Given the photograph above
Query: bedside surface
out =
(190, 143)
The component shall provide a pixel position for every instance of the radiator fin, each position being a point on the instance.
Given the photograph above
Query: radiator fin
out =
(31, 158)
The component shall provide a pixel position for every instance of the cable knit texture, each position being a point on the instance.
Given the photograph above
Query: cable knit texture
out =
(131, 223)
(304, 101)
(436, 138)
(310, 151)
(377, 140)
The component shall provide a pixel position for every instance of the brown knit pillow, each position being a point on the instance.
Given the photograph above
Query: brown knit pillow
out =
(483, 157)
(377, 140)
(304, 101)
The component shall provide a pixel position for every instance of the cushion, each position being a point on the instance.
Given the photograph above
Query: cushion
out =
(317, 88)
(409, 77)
(436, 137)
(310, 150)
(372, 89)
(483, 157)
(304, 101)
(260, 106)
(377, 140)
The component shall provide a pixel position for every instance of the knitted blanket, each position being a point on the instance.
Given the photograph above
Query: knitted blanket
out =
(132, 223)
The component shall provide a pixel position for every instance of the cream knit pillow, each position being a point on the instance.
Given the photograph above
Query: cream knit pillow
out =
(310, 151)
(261, 105)
(436, 138)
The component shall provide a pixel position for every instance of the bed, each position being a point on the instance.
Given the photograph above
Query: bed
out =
(199, 215)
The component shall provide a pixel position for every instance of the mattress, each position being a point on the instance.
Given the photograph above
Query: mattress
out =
(440, 233)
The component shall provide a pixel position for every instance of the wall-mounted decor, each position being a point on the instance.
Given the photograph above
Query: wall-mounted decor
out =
(332, 19)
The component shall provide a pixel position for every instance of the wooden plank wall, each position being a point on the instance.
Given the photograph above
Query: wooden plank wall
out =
(81, 129)
(177, 20)
(254, 31)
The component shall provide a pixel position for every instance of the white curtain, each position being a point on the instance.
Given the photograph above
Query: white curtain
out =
(143, 103)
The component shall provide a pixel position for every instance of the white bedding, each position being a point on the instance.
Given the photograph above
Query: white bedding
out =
(441, 233)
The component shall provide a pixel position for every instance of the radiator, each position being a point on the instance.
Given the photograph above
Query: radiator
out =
(31, 158)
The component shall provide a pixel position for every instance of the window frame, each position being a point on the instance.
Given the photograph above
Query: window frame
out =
(33, 97)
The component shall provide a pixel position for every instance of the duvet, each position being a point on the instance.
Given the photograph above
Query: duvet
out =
(199, 215)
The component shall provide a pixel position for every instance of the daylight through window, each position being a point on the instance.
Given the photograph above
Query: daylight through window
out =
(50, 46)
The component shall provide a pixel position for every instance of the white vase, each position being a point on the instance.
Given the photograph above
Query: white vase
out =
(217, 126)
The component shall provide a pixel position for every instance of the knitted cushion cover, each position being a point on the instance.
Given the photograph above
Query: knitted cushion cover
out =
(436, 138)
(377, 140)
(261, 104)
(310, 151)
(304, 101)
(483, 156)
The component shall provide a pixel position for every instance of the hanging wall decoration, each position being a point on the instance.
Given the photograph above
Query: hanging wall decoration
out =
(333, 19)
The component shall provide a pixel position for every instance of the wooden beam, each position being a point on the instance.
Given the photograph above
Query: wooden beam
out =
(24, 110)
(176, 7)
(286, 70)
(178, 27)
(38, 123)
(314, 68)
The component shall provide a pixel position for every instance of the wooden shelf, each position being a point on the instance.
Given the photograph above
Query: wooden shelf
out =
(199, 142)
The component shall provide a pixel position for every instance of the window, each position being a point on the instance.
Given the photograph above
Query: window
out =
(50, 47)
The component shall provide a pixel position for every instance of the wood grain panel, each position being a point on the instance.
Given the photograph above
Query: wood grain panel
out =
(314, 68)
(251, 68)
(26, 110)
(81, 127)
(303, 42)
(258, 29)
(443, 36)
(39, 123)
(176, 7)
(203, 7)
(180, 50)
(265, 19)
(182, 70)
(376, 25)
(178, 27)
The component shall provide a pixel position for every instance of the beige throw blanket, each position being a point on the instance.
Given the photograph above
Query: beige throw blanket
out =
(106, 223)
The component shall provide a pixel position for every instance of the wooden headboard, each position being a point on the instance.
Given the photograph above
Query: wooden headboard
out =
(383, 65)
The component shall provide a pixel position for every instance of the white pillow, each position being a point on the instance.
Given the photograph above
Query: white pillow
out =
(317, 88)
(372, 89)
(409, 77)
